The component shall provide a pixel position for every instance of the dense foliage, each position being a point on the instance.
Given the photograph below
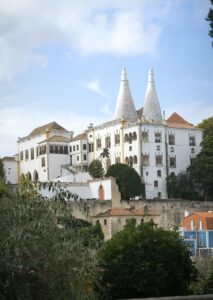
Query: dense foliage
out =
(95, 169)
(144, 261)
(181, 186)
(128, 180)
(201, 170)
(44, 252)
(210, 19)
(2, 172)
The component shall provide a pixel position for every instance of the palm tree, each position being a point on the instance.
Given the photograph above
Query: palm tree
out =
(105, 159)
(105, 153)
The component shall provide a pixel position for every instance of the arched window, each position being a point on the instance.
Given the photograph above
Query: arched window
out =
(35, 176)
(155, 183)
(131, 161)
(159, 173)
(101, 192)
(126, 137)
(28, 176)
(134, 136)
(135, 159)
(126, 160)
(130, 137)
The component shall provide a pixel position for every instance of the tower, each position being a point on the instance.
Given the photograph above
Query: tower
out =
(125, 107)
(152, 110)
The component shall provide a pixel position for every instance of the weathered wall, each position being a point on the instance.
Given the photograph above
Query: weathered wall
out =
(171, 211)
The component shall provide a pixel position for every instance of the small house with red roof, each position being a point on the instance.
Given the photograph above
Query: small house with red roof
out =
(198, 233)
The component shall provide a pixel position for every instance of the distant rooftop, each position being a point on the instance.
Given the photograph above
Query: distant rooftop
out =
(47, 127)
(175, 120)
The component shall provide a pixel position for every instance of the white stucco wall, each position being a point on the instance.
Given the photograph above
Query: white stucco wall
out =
(11, 171)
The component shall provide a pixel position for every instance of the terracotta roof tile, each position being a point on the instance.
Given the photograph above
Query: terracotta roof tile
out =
(47, 127)
(177, 121)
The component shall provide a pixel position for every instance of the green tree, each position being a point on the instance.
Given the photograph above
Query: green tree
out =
(144, 261)
(201, 170)
(95, 169)
(210, 19)
(42, 250)
(128, 180)
(2, 172)
(181, 186)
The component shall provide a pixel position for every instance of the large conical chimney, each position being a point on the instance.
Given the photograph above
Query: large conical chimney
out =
(151, 111)
(125, 107)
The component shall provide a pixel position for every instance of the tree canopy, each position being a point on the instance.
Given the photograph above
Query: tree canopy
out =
(44, 252)
(201, 170)
(128, 180)
(143, 261)
(210, 19)
(95, 169)
(2, 171)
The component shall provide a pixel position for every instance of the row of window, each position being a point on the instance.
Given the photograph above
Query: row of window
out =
(76, 147)
(78, 158)
(158, 160)
(171, 138)
(41, 150)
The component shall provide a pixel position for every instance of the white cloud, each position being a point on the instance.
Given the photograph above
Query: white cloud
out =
(19, 121)
(87, 27)
(94, 86)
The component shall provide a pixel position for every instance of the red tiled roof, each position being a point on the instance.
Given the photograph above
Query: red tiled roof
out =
(177, 121)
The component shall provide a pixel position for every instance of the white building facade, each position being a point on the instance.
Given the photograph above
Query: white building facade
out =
(155, 147)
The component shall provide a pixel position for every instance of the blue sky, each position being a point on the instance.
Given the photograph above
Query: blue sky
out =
(61, 60)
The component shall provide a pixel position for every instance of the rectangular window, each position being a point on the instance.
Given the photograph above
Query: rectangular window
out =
(145, 136)
(107, 142)
(32, 153)
(172, 162)
(21, 155)
(77, 147)
(105, 221)
(26, 154)
(61, 149)
(91, 147)
(77, 158)
(43, 161)
(42, 150)
(70, 148)
(200, 241)
(157, 137)
(145, 159)
(37, 152)
(98, 143)
(65, 150)
(171, 139)
(85, 157)
(159, 160)
(192, 140)
(51, 149)
(117, 138)
(84, 146)
(56, 149)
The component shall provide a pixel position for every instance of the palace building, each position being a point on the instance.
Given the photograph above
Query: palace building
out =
(142, 138)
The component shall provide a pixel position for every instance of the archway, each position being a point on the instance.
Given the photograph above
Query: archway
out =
(101, 192)
(35, 176)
